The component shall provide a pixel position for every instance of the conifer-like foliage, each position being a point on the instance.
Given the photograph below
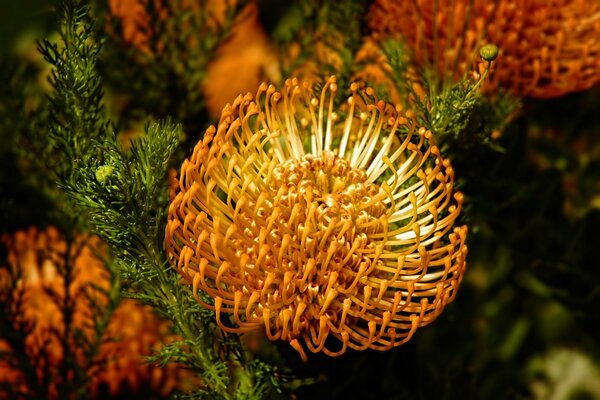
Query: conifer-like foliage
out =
(316, 38)
(456, 111)
(122, 195)
(178, 39)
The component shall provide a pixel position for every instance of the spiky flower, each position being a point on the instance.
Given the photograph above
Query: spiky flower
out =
(53, 294)
(547, 49)
(310, 221)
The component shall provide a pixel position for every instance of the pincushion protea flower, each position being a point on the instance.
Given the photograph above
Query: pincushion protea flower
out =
(547, 49)
(311, 221)
(35, 269)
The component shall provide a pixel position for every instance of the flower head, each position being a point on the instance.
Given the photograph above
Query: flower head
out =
(313, 221)
(547, 49)
(33, 287)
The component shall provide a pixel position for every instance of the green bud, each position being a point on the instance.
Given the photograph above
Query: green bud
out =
(489, 52)
(103, 172)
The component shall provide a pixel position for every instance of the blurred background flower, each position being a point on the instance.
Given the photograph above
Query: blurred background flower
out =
(56, 298)
(564, 374)
(547, 49)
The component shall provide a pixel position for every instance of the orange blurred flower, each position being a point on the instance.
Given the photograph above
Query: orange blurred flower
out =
(313, 221)
(42, 290)
(547, 49)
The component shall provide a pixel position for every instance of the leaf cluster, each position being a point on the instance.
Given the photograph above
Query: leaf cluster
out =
(457, 112)
(27, 196)
(122, 194)
(328, 32)
(161, 71)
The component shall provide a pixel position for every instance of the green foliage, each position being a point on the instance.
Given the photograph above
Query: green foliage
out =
(76, 107)
(328, 32)
(457, 112)
(162, 72)
(27, 195)
(398, 57)
(123, 196)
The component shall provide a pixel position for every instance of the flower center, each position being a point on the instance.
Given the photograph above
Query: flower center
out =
(335, 199)
(322, 219)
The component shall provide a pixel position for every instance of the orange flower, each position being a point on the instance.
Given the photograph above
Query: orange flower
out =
(311, 221)
(37, 260)
(547, 49)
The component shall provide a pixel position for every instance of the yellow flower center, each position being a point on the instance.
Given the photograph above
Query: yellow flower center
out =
(319, 215)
